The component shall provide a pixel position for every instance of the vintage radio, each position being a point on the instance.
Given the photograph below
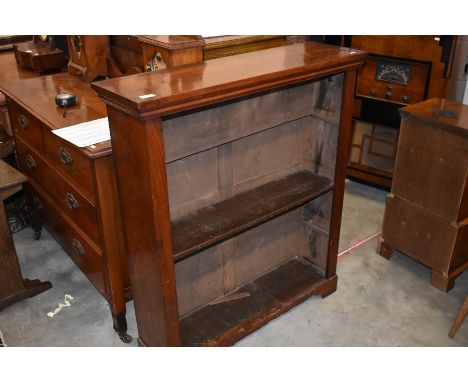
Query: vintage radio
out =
(393, 80)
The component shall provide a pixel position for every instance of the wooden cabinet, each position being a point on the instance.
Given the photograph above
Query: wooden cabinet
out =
(231, 180)
(426, 215)
(136, 54)
(71, 190)
(400, 70)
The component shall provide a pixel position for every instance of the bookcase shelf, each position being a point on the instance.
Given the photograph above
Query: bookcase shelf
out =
(248, 308)
(220, 221)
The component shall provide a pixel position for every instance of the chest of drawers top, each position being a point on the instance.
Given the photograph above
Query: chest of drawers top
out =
(440, 113)
(35, 98)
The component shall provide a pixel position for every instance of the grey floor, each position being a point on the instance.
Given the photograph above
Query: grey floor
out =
(378, 302)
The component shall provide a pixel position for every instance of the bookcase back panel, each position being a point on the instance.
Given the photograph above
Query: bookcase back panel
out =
(327, 98)
(262, 157)
(193, 182)
(219, 173)
(199, 279)
(225, 267)
(322, 145)
(265, 247)
(187, 134)
(316, 224)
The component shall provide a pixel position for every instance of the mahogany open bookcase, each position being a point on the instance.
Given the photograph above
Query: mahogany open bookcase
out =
(230, 176)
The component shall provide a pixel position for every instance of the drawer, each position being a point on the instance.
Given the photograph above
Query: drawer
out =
(70, 160)
(78, 246)
(26, 126)
(420, 234)
(71, 201)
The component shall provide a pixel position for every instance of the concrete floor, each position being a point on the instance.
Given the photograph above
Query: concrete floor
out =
(378, 302)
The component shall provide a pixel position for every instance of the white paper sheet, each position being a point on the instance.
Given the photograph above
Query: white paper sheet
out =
(86, 133)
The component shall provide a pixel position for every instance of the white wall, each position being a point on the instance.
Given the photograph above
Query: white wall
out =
(459, 88)
(465, 98)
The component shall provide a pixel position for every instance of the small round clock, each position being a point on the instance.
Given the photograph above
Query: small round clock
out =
(65, 99)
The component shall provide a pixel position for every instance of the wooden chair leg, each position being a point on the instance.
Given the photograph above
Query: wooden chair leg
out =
(459, 319)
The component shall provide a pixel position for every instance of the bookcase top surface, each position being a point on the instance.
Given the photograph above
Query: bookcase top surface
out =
(177, 89)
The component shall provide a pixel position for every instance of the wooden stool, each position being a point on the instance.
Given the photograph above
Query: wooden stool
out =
(13, 287)
(459, 319)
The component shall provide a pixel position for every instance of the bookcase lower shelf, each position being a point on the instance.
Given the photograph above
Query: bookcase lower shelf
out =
(227, 320)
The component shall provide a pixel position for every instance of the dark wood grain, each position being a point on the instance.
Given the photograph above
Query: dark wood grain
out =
(220, 221)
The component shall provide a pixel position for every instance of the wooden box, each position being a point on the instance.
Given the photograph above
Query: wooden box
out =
(40, 58)
(231, 183)
(426, 214)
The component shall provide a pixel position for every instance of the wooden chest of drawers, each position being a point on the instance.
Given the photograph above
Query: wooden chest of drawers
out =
(426, 215)
(71, 190)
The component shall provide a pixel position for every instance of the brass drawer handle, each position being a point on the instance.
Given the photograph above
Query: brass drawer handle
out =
(78, 247)
(37, 202)
(23, 121)
(71, 201)
(30, 162)
(64, 155)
